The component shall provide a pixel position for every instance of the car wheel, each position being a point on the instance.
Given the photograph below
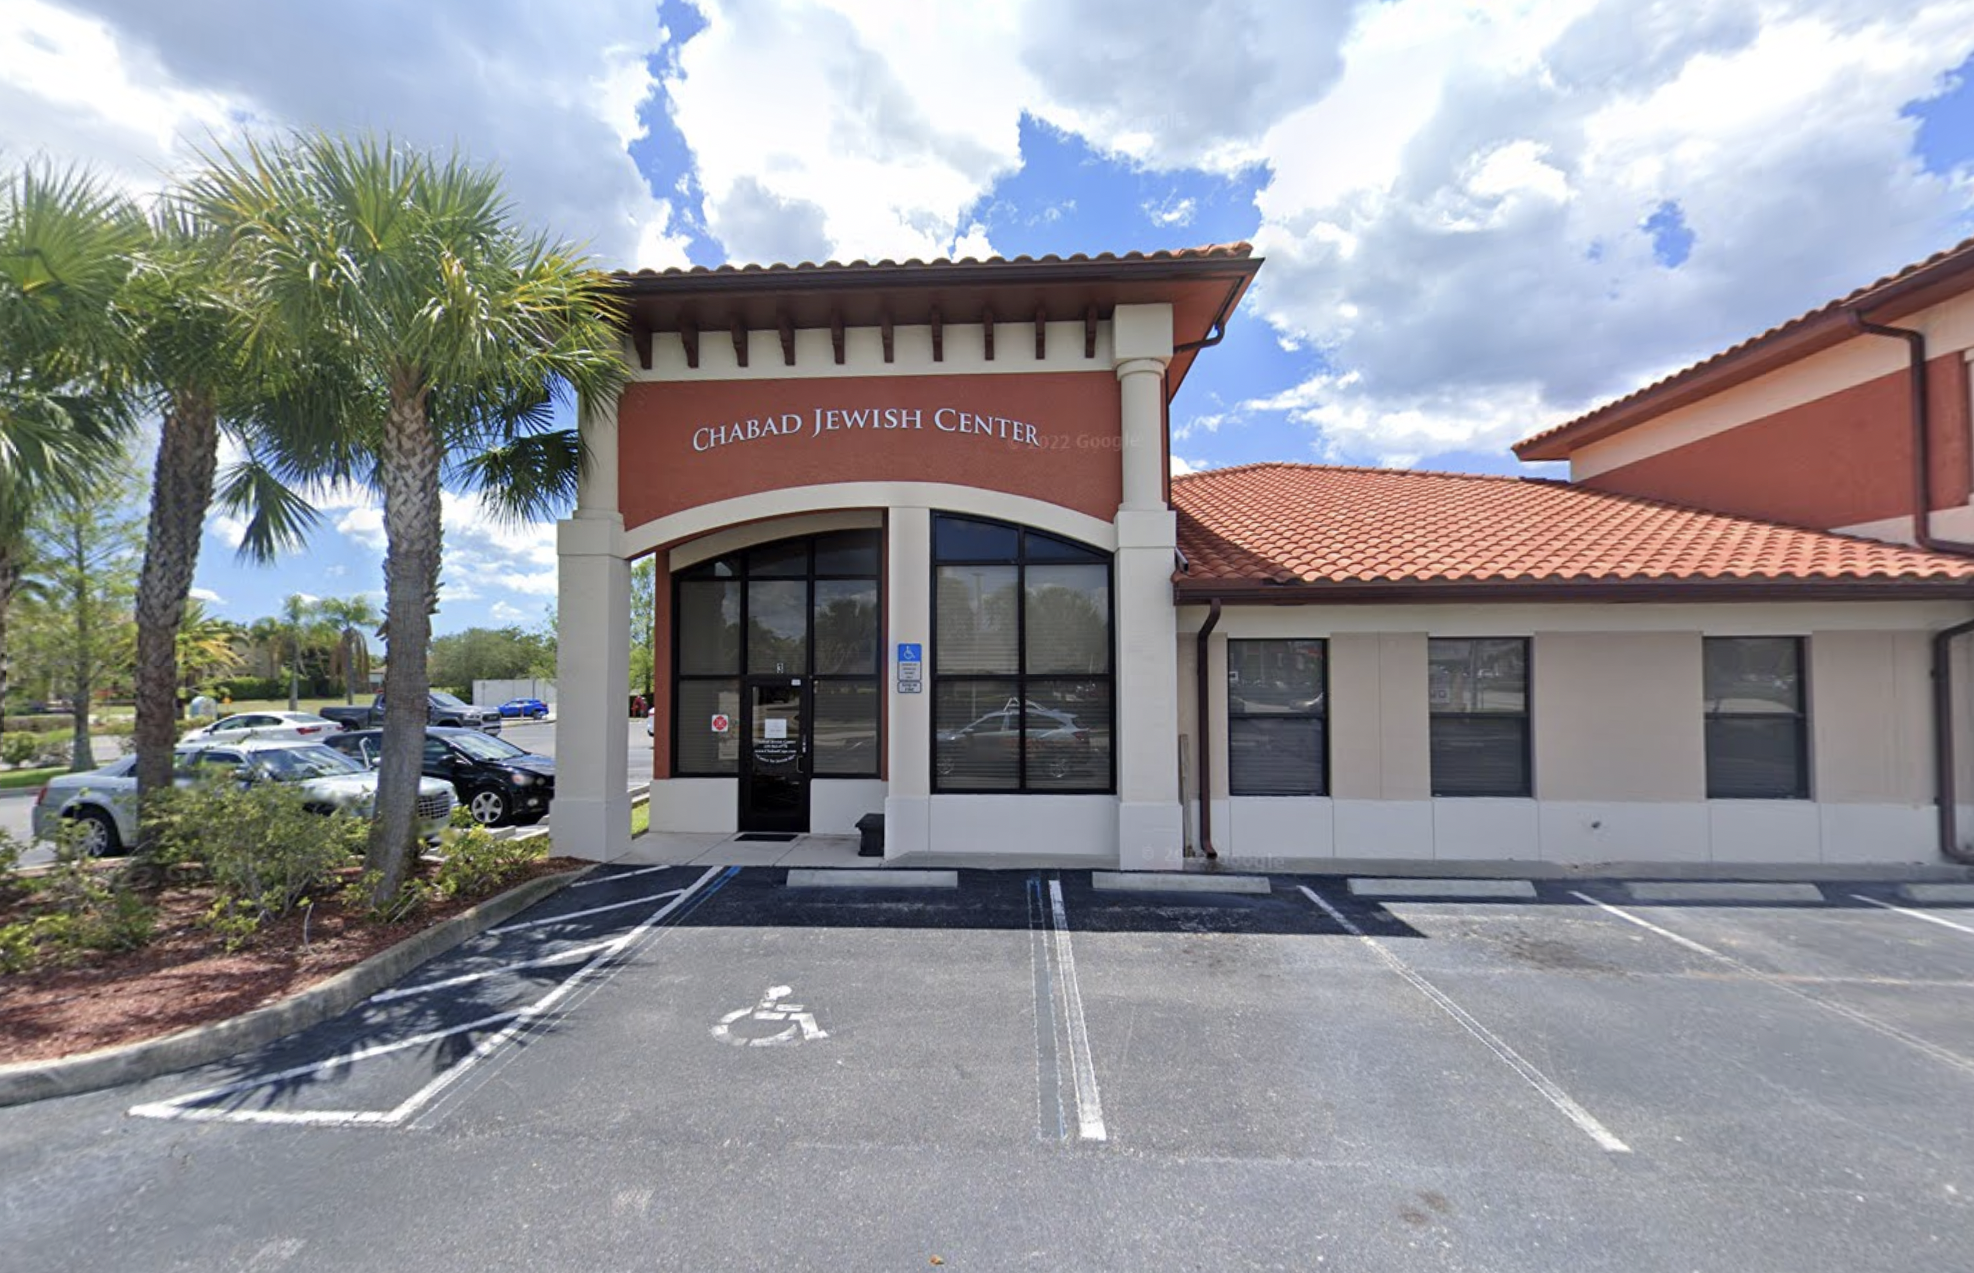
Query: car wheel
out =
(99, 833)
(487, 806)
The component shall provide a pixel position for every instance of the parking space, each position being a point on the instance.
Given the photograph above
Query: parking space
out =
(1666, 1084)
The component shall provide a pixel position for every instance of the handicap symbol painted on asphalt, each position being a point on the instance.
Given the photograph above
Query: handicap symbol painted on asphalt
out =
(774, 1007)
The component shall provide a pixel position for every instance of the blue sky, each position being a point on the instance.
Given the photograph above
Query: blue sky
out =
(1478, 220)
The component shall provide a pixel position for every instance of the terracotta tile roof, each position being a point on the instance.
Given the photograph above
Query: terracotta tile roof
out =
(1210, 251)
(1952, 261)
(1310, 524)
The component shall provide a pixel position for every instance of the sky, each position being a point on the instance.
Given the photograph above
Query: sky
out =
(1479, 219)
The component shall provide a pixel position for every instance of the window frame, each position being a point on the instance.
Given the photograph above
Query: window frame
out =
(1020, 679)
(806, 674)
(1323, 715)
(1799, 715)
(1525, 717)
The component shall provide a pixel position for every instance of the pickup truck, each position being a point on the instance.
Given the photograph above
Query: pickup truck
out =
(442, 709)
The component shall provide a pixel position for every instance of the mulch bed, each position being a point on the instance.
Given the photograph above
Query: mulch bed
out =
(184, 978)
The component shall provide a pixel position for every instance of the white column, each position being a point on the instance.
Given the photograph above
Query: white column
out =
(1150, 821)
(592, 809)
(908, 618)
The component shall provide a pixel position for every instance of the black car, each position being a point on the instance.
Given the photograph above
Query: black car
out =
(497, 782)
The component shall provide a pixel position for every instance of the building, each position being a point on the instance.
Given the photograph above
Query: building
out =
(921, 554)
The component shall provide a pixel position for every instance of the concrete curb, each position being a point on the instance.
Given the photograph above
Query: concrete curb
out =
(27, 1081)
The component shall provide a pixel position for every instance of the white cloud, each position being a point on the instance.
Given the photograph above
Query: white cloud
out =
(1182, 466)
(1472, 260)
(364, 524)
(549, 93)
(1170, 212)
(231, 531)
(206, 595)
(506, 613)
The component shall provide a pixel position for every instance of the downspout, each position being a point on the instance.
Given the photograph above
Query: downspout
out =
(1943, 757)
(1922, 435)
(1200, 728)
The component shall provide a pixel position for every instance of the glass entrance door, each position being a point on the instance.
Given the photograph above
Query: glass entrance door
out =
(774, 760)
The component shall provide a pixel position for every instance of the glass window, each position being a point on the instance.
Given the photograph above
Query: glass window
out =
(1477, 691)
(1068, 618)
(1022, 695)
(846, 627)
(1756, 725)
(709, 628)
(700, 749)
(778, 627)
(1277, 727)
(786, 560)
(847, 552)
(846, 728)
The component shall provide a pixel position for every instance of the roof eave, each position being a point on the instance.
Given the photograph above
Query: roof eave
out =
(1263, 592)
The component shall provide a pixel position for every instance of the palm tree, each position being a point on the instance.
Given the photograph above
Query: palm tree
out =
(207, 646)
(65, 245)
(350, 616)
(188, 308)
(452, 331)
(300, 621)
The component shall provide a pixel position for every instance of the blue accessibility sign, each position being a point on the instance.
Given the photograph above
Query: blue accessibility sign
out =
(911, 653)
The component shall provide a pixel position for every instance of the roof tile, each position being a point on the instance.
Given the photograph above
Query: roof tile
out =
(1305, 523)
(1229, 251)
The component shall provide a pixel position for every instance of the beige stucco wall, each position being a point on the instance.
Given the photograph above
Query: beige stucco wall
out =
(1617, 716)
(1619, 737)
(1871, 736)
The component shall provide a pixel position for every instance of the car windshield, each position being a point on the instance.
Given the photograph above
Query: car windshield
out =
(294, 764)
(444, 699)
(482, 747)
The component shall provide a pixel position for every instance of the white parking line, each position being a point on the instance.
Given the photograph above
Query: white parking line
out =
(622, 875)
(1089, 1106)
(180, 1107)
(1905, 910)
(1870, 1022)
(1541, 1082)
(575, 954)
(594, 910)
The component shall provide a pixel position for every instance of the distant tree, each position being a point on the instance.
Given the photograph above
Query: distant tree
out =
(207, 647)
(350, 616)
(486, 654)
(302, 625)
(86, 551)
(644, 618)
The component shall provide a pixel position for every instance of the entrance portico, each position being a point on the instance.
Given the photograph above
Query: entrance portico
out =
(835, 463)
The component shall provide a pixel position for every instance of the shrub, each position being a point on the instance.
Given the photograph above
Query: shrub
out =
(239, 687)
(17, 747)
(82, 906)
(262, 847)
(477, 861)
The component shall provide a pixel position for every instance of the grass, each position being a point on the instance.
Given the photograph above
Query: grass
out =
(13, 779)
(640, 818)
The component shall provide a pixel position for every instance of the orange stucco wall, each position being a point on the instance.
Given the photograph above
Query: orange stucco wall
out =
(1837, 461)
(1053, 437)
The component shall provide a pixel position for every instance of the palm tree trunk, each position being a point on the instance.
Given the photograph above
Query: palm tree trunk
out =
(10, 582)
(188, 453)
(408, 472)
(350, 637)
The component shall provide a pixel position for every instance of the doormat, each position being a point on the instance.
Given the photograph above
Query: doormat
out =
(776, 837)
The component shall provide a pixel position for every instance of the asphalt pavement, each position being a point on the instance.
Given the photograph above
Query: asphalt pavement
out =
(724, 1068)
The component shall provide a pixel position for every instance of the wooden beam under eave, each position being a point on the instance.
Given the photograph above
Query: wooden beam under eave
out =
(987, 332)
(884, 330)
(938, 336)
(787, 330)
(836, 334)
(1041, 333)
(1090, 332)
(641, 341)
(739, 342)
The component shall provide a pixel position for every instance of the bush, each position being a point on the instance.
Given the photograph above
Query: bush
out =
(38, 723)
(261, 846)
(239, 687)
(477, 861)
(37, 749)
(82, 906)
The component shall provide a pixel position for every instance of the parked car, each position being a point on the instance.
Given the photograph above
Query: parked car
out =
(651, 722)
(527, 708)
(441, 709)
(1058, 747)
(294, 726)
(497, 781)
(104, 801)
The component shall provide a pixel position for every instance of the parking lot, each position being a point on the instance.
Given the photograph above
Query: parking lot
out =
(730, 1068)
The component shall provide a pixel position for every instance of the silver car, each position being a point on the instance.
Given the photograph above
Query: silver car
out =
(103, 802)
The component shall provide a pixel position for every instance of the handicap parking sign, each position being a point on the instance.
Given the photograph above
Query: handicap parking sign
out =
(911, 653)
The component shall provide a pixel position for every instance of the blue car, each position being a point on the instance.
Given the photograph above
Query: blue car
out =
(532, 708)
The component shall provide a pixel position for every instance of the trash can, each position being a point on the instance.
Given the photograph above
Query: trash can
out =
(871, 828)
